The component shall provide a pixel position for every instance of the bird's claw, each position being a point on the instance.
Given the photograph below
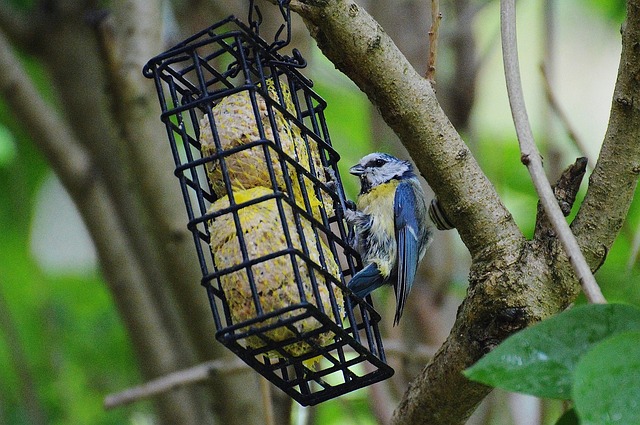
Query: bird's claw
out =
(331, 178)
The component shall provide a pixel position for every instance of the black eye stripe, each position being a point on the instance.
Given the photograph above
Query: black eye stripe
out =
(376, 163)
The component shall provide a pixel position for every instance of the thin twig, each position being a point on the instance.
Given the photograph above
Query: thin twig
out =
(436, 17)
(635, 249)
(531, 157)
(50, 132)
(198, 373)
(25, 384)
(267, 401)
(380, 400)
(204, 371)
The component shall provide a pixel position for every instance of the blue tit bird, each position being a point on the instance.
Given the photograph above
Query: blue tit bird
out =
(391, 225)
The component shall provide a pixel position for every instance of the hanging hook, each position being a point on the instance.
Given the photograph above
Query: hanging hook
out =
(280, 41)
(295, 61)
(285, 11)
(254, 24)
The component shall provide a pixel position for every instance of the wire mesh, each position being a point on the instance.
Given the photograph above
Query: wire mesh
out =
(265, 205)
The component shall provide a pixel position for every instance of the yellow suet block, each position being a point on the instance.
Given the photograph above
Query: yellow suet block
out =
(274, 279)
(237, 125)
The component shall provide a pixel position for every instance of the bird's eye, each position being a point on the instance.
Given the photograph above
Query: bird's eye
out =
(380, 162)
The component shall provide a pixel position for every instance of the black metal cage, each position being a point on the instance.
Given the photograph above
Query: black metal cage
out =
(265, 205)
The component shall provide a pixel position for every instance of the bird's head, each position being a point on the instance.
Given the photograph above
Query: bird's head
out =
(378, 168)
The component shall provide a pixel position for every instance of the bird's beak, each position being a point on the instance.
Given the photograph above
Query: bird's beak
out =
(357, 170)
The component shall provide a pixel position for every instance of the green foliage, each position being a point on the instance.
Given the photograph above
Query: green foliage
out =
(23, 4)
(611, 9)
(620, 274)
(351, 410)
(66, 327)
(348, 119)
(607, 382)
(619, 283)
(73, 339)
(500, 160)
(7, 147)
(570, 417)
(589, 354)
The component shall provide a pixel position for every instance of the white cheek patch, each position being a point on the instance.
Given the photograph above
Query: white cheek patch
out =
(385, 173)
(376, 175)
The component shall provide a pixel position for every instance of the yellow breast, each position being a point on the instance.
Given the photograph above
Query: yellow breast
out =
(379, 200)
(378, 203)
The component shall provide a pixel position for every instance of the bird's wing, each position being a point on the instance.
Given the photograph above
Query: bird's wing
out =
(406, 229)
(366, 280)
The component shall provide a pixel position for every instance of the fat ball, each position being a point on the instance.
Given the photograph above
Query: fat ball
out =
(263, 232)
(237, 125)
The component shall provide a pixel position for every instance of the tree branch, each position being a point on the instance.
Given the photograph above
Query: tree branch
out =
(565, 192)
(357, 45)
(75, 71)
(436, 17)
(531, 157)
(613, 182)
(19, 361)
(511, 283)
(69, 159)
(74, 167)
(499, 286)
(20, 28)
(129, 38)
(213, 368)
(196, 374)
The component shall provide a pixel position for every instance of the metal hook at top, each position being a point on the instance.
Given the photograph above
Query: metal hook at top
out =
(285, 11)
(295, 61)
(255, 23)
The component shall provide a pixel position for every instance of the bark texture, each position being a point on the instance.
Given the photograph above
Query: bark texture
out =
(513, 282)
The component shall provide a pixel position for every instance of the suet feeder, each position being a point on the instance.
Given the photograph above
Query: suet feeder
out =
(265, 205)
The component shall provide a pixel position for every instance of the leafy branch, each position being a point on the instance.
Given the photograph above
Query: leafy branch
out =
(594, 366)
(531, 156)
(513, 282)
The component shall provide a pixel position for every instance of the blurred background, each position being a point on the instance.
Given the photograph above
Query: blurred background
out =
(68, 332)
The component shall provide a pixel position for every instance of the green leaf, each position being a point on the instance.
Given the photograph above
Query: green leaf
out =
(611, 9)
(540, 360)
(7, 147)
(570, 417)
(607, 382)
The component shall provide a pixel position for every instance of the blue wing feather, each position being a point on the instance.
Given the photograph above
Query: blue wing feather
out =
(366, 280)
(406, 229)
